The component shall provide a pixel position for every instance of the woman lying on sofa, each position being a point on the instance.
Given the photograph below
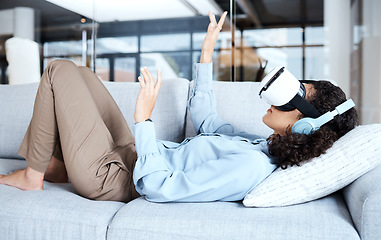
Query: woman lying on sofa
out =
(78, 131)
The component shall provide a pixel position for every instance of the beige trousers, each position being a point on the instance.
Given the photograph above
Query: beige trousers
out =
(76, 120)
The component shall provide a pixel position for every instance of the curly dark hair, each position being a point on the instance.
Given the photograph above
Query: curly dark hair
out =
(294, 148)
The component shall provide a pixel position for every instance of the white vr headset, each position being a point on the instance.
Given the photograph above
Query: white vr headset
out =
(286, 93)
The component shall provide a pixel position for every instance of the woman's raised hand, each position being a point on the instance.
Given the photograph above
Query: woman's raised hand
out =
(210, 39)
(145, 102)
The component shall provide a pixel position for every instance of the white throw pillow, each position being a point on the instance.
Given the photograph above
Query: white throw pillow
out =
(23, 58)
(351, 156)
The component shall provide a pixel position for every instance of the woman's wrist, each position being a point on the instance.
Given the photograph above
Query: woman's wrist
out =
(206, 57)
(141, 120)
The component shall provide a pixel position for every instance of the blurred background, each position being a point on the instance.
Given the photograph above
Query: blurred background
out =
(337, 40)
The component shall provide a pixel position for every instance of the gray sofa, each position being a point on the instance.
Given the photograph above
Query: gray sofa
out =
(59, 213)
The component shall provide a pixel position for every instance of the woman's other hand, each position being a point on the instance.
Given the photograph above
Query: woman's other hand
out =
(147, 96)
(210, 39)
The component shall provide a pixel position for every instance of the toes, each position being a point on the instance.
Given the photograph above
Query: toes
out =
(2, 178)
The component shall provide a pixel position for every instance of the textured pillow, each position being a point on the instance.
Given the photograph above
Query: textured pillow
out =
(354, 154)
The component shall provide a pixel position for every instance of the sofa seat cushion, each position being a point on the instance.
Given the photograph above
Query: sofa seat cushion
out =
(321, 219)
(54, 212)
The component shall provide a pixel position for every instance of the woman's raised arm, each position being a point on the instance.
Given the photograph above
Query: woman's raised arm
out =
(210, 39)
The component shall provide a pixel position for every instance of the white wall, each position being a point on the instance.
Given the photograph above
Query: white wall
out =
(6, 22)
(337, 42)
(371, 62)
(366, 55)
(18, 22)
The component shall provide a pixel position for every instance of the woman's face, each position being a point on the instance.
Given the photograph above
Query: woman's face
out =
(281, 121)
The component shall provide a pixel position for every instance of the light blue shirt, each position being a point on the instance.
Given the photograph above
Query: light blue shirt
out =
(218, 164)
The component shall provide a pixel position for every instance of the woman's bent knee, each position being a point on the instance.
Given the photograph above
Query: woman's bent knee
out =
(61, 63)
(60, 66)
(60, 70)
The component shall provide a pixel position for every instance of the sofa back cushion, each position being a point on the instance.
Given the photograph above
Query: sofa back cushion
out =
(239, 104)
(16, 108)
(170, 109)
(17, 101)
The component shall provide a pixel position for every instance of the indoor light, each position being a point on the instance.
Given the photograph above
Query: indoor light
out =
(203, 6)
(131, 10)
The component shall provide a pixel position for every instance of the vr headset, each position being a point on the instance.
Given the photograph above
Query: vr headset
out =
(286, 93)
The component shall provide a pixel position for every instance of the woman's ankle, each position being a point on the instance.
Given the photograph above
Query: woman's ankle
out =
(34, 175)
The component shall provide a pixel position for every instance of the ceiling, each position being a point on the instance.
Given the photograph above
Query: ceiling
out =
(276, 13)
(250, 13)
(49, 13)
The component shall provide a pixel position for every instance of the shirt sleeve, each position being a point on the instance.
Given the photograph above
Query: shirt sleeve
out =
(228, 178)
(149, 158)
(202, 103)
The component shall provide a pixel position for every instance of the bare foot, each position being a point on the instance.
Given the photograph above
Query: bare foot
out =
(24, 179)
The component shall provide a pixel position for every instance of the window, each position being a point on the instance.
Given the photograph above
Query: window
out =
(315, 63)
(314, 35)
(117, 45)
(167, 42)
(62, 48)
(125, 69)
(283, 46)
(172, 64)
(103, 68)
(257, 51)
(272, 37)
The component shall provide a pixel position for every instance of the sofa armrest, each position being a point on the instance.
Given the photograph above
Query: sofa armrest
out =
(363, 198)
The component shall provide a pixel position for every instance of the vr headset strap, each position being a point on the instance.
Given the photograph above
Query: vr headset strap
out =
(305, 107)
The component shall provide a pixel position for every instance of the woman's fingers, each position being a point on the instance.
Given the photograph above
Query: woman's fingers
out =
(147, 96)
(149, 81)
(212, 18)
(222, 20)
(213, 25)
(141, 81)
(158, 82)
